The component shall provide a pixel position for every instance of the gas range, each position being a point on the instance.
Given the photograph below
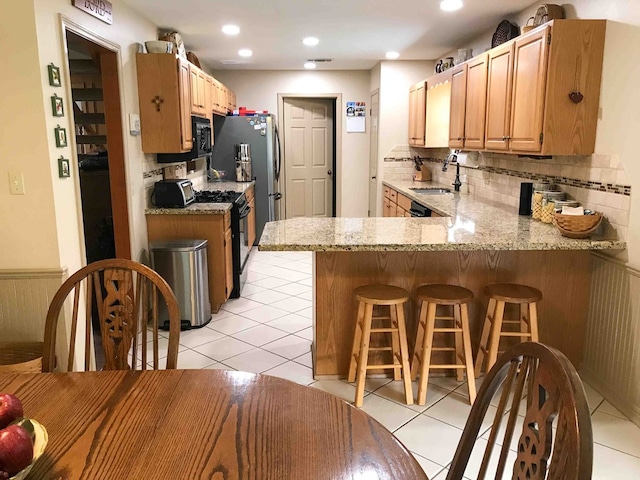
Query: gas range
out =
(217, 196)
(239, 227)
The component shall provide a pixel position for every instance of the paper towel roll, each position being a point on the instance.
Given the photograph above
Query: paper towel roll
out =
(469, 159)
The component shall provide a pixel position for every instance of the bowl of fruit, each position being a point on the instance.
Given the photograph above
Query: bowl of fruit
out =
(22, 440)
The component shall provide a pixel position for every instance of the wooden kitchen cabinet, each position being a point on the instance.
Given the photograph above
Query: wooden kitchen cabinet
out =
(532, 101)
(198, 87)
(475, 103)
(499, 80)
(438, 111)
(216, 229)
(457, 106)
(170, 90)
(165, 103)
(417, 114)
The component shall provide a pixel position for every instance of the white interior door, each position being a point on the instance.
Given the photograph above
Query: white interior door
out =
(308, 157)
(373, 156)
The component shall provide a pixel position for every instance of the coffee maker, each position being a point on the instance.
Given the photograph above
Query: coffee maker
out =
(243, 162)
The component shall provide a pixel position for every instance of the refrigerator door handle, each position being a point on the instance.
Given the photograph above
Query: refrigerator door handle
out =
(279, 160)
(276, 196)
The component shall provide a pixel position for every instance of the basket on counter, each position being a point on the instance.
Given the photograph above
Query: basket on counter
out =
(577, 226)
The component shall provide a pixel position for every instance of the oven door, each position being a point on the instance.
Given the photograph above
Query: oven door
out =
(244, 243)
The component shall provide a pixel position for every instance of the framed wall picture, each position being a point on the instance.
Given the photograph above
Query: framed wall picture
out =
(54, 75)
(56, 106)
(63, 167)
(61, 136)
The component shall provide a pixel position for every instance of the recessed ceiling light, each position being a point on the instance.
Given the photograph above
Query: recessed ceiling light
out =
(231, 29)
(245, 52)
(392, 55)
(310, 65)
(311, 41)
(450, 5)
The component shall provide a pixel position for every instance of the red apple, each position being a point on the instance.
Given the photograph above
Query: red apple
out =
(10, 409)
(16, 449)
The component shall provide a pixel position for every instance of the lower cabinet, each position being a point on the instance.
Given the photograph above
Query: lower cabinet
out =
(395, 204)
(214, 228)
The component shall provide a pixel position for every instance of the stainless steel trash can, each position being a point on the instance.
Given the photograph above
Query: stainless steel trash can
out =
(183, 264)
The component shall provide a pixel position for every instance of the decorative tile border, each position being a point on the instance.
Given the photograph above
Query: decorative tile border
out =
(571, 182)
(152, 173)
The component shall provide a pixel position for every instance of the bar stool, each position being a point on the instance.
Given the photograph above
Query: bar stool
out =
(430, 297)
(369, 296)
(499, 295)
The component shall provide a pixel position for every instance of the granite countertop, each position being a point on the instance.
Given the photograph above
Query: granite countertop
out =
(470, 224)
(205, 208)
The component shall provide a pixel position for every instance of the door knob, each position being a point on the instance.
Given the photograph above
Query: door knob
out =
(329, 172)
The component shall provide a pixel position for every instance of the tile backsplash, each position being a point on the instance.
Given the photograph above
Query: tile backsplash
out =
(177, 170)
(598, 182)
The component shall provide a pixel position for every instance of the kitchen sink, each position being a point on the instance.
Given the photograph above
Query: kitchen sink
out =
(430, 191)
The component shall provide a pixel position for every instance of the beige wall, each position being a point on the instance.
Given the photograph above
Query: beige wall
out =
(395, 79)
(29, 231)
(45, 223)
(258, 90)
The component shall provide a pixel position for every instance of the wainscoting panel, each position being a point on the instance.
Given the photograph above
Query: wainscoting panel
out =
(24, 300)
(612, 351)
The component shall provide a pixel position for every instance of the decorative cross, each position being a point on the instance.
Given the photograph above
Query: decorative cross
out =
(157, 101)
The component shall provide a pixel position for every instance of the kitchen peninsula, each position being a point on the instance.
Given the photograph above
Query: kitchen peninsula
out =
(475, 243)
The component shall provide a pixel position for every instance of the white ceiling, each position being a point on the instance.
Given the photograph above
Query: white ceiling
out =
(354, 33)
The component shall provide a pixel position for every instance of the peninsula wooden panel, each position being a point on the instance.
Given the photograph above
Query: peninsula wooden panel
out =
(206, 227)
(562, 276)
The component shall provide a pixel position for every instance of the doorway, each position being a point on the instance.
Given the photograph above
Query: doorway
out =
(96, 114)
(373, 154)
(309, 157)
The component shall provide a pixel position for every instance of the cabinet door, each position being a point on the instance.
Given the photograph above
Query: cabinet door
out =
(529, 83)
(202, 92)
(184, 88)
(193, 85)
(476, 103)
(458, 106)
(417, 114)
(437, 115)
(251, 223)
(228, 260)
(386, 207)
(499, 98)
(208, 96)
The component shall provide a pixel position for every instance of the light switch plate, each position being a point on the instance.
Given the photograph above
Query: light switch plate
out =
(134, 124)
(16, 183)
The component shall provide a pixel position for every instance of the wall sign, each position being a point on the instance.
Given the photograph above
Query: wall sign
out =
(101, 9)
(356, 112)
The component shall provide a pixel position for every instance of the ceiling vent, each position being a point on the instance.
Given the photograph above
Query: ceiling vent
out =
(320, 60)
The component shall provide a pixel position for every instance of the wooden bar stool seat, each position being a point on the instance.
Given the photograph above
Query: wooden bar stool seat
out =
(499, 295)
(369, 296)
(430, 297)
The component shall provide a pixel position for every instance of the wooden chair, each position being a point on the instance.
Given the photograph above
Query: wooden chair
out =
(126, 301)
(545, 449)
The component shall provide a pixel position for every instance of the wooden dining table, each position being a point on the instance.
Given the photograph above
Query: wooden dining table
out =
(193, 424)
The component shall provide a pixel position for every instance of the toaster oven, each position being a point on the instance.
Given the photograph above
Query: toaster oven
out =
(173, 193)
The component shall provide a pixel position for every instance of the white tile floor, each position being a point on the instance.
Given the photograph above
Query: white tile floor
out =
(269, 331)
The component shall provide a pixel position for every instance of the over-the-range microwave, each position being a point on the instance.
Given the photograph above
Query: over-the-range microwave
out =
(201, 136)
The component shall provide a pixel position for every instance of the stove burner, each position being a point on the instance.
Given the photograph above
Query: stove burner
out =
(217, 196)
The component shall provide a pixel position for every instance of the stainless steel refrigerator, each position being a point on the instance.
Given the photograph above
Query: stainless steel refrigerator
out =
(262, 134)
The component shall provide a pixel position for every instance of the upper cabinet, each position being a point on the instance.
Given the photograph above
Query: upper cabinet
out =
(468, 103)
(541, 92)
(438, 107)
(170, 90)
(417, 114)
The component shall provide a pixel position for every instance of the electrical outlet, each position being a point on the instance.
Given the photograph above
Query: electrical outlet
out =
(16, 183)
(464, 178)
